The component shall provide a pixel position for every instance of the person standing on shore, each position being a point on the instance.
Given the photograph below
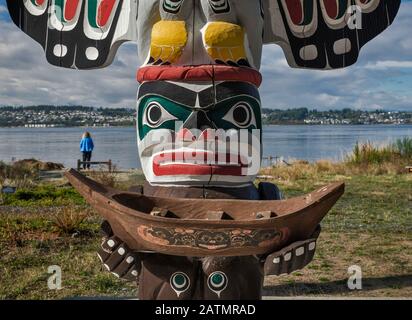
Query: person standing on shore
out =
(86, 148)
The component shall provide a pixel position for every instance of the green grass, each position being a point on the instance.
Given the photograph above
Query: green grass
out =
(370, 203)
(43, 196)
(370, 226)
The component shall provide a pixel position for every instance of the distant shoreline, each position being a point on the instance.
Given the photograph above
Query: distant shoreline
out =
(80, 116)
(265, 124)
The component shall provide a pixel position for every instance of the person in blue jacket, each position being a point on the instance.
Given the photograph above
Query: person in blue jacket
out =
(86, 148)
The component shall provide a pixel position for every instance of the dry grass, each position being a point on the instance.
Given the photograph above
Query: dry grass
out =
(30, 242)
(103, 176)
(386, 265)
(23, 173)
(365, 159)
(17, 175)
(68, 220)
(299, 170)
(37, 165)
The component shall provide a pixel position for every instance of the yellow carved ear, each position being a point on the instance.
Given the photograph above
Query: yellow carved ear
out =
(169, 39)
(225, 42)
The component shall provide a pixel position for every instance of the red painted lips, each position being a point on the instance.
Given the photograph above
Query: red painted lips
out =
(197, 163)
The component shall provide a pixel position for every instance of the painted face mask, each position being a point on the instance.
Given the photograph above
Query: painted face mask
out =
(199, 133)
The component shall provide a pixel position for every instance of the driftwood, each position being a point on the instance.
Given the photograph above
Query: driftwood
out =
(207, 227)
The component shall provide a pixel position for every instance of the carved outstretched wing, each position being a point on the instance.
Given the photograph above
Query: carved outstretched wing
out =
(325, 34)
(79, 34)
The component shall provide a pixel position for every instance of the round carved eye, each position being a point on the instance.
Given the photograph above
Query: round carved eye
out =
(155, 114)
(205, 238)
(217, 281)
(219, 238)
(241, 115)
(179, 281)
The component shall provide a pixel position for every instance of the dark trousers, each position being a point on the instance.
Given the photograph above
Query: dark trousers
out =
(87, 156)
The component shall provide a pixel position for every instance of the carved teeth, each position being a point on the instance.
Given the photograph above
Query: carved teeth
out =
(312, 246)
(300, 251)
(129, 260)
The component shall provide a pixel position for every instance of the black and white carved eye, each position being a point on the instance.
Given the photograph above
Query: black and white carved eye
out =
(217, 282)
(155, 115)
(241, 115)
(180, 282)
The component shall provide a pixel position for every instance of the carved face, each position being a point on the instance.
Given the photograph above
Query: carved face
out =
(199, 134)
(213, 240)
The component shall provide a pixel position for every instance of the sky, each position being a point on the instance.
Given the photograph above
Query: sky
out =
(381, 79)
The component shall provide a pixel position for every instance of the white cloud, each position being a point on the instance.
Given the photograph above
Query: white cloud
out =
(3, 9)
(382, 65)
(327, 100)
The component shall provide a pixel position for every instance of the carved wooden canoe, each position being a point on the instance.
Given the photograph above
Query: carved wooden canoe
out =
(207, 227)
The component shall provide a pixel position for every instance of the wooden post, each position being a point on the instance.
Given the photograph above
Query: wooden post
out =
(110, 165)
(78, 164)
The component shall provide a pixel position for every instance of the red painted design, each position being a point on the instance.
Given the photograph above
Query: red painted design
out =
(70, 9)
(295, 11)
(40, 2)
(104, 11)
(167, 164)
(199, 73)
(331, 7)
(208, 135)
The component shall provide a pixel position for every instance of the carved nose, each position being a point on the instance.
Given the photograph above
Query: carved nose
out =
(198, 120)
(185, 134)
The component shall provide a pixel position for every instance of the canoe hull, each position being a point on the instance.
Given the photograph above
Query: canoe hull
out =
(189, 235)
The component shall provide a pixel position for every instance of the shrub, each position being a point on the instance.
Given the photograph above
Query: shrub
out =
(403, 147)
(68, 220)
(17, 174)
(397, 153)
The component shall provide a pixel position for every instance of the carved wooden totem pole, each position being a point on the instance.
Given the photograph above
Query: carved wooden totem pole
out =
(199, 228)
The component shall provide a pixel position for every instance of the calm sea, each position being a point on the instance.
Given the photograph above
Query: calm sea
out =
(119, 144)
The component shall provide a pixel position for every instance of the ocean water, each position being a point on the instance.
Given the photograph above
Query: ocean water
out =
(119, 143)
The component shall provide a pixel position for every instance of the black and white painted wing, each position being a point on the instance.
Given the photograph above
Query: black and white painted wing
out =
(325, 34)
(78, 34)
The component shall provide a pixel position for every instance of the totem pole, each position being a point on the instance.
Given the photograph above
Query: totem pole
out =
(199, 228)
